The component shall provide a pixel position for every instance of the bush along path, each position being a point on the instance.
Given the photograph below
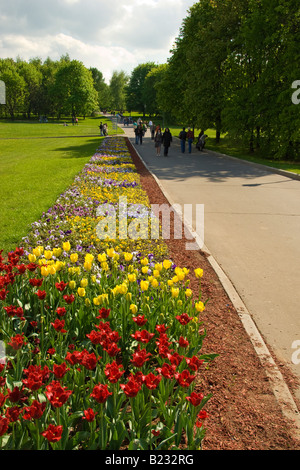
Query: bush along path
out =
(101, 343)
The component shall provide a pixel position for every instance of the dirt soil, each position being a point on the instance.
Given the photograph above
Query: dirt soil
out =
(243, 411)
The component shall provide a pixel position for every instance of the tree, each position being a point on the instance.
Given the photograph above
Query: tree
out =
(151, 87)
(117, 86)
(74, 89)
(135, 90)
(103, 90)
(15, 87)
(33, 79)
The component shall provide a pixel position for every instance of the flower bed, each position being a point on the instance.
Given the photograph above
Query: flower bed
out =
(101, 336)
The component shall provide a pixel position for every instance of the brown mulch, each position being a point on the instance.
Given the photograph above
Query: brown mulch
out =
(243, 411)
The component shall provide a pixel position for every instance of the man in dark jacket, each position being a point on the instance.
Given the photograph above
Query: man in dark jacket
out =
(182, 137)
(167, 139)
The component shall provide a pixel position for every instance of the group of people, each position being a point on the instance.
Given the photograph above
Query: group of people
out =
(188, 136)
(162, 139)
(103, 129)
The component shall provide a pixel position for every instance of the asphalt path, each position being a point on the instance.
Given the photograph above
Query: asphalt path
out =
(251, 227)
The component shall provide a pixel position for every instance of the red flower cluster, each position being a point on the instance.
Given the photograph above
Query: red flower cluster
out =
(17, 341)
(139, 357)
(106, 337)
(36, 377)
(34, 411)
(56, 394)
(113, 372)
(84, 358)
(143, 336)
(184, 319)
(100, 393)
(58, 325)
(53, 433)
(13, 311)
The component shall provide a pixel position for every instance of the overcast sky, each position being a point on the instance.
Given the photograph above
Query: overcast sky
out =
(107, 34)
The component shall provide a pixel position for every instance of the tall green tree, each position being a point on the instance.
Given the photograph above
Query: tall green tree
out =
(102, 88)
(74, 89)
(15, 87)
(135, 89)
(33, 79)
(117, 86)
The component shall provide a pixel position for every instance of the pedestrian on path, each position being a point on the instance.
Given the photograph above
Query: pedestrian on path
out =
(190, 137)
(140, 133)
(158, 139)
(167, 139)
(101, 129)
(182, 137)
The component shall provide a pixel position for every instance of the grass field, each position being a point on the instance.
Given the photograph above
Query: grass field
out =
(37, 163)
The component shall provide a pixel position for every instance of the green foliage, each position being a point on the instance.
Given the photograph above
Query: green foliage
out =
(135, 89)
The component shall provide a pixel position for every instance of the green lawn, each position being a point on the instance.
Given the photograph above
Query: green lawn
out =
(36, 167)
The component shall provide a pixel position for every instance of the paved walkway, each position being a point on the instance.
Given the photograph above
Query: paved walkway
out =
(252, 228)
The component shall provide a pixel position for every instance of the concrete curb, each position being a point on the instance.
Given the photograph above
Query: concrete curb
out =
(280, 389)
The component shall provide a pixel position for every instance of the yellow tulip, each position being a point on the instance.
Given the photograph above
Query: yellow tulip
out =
(133, 308)
(154, 283)
(66, 246)
(74, 257)
(48, 254)
(145, 269)
(198, 272)
(167, 263)
(110, 252)
(87, 265)
(57, 252)
(72, 285)
(128, 256)
(52, 269)
(81, 291)
(199, 306)
(144, 285)
(45, 271)
(84, 282)
(102, 258)
(175, 291)
(104, 266)
(37, 251)
(97, 300)
(131, 277)
(156, 273)
(144, 262)
(87, 302)
(188, 293)
(32, 258)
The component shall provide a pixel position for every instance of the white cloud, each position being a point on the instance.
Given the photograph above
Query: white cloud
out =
(107, 34)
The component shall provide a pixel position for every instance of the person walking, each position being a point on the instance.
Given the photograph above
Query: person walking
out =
(158, 139)
(140, 133)
(182, 137)
(167, 139)
(190, 138)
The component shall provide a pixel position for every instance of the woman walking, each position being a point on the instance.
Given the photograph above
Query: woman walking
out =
(158, 141)
(167, 139)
